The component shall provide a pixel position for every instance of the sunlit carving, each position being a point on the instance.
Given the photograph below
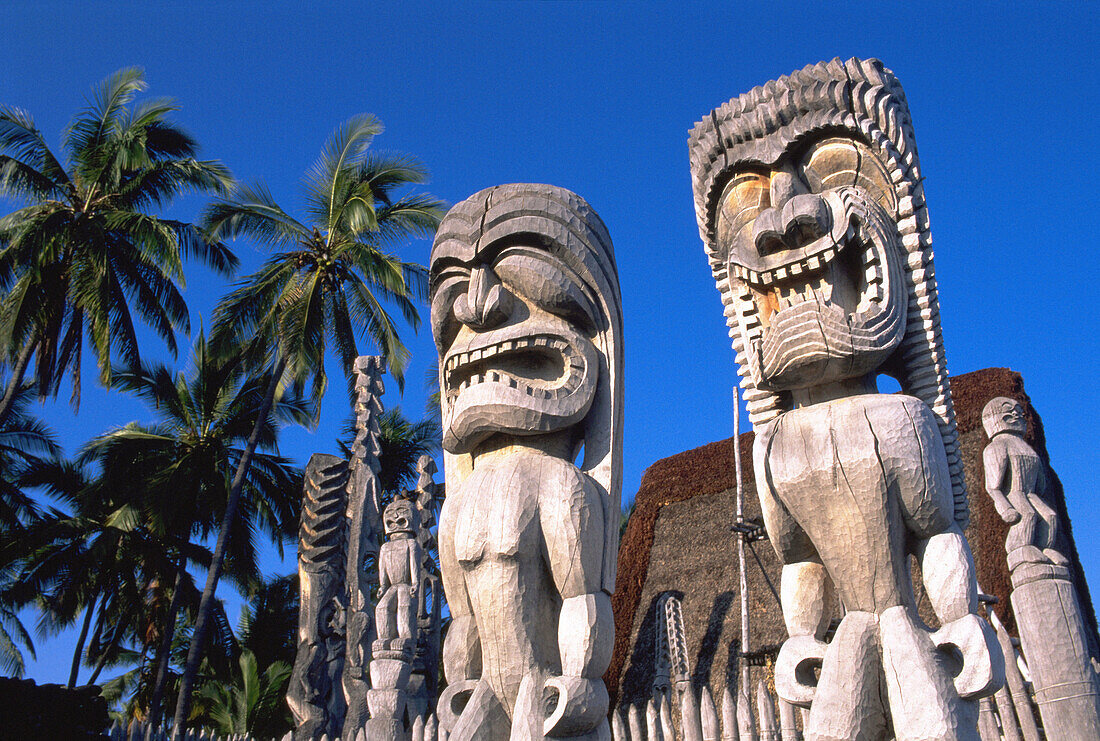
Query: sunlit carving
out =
(527, 320)
(809, 201)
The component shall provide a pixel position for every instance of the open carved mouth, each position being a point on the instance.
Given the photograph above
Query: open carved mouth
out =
(848, 276)
(542, 366)
(827, 311)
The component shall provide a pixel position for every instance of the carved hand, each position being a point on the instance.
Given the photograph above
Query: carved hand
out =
(1009, 514)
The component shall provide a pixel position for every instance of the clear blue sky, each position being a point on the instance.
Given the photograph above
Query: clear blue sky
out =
(598, 97)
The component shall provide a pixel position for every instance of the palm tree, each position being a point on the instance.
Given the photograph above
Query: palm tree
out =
(24, 442)
(252, 703)
(12, 632)
(331, 278)
(269, 621)
(85, 251)
(90, 559)
(187, 459)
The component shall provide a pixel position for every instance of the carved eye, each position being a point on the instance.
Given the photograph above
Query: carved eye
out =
(744, 198)
(551, 285)
(450, 284)
(837, 161)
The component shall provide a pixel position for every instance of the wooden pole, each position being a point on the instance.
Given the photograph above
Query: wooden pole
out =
(740, 527)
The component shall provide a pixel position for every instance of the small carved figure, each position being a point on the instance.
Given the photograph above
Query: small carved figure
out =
(400, 566)
(528, 322)
(1044, 600)
(1015, 479)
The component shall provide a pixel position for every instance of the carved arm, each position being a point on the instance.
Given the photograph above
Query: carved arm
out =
(573, 526)
(996, 468)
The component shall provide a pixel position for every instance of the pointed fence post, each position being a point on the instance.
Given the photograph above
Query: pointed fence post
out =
(729, 716)
(708, 714)
(652, 723)
(634, 718)
(745, 721)
(788, 722)
(765, 710)
(664, 710)
(618, 728)
(1014, 681)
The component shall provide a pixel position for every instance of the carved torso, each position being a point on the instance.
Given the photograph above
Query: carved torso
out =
(505, 524)
(854, 480)
(396, 558)
(1023, 469)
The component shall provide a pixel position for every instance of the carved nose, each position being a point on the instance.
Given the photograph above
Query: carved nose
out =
(486, 303)
(802, 219)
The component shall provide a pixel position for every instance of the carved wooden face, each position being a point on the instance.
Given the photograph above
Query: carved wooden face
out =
(1004, 415)
(401, 516)
(813, 236)
(514, 326)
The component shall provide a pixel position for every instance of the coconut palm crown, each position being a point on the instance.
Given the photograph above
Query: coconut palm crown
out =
(84, 253)
(334, 272)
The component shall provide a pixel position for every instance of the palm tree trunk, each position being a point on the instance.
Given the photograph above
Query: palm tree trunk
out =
(115, 640)
(88, 611)
(206, 604)
(16, 380)
(163, 652)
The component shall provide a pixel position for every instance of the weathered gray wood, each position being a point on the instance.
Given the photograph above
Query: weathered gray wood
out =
(788, 723)
(664, 712)
(745, 723)
(765, 710)
(708, 714)
(1048, 614)
(729, 716)
(987, 721)
(653, 722)
(819, 246)
(619, 731)
(528, 323)
(1014, 681)
(314, 693)
(635, 721)
(364, 534)
(1005, 712)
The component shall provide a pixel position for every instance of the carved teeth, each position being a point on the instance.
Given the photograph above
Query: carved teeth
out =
(573, 361)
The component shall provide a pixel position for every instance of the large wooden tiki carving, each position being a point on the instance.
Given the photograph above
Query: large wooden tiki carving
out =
(527, 319)
(809, 201)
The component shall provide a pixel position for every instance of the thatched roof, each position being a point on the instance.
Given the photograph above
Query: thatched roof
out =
(678, 539)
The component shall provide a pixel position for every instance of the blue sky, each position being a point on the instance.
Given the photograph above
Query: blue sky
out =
(598, 97)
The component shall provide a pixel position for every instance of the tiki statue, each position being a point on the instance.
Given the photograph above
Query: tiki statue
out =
(527, 319)
(1044, 600)
(809, 201)
(1015, 480)
(400, 566)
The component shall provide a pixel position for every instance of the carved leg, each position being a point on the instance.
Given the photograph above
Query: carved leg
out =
(849, 704)
(924, 704)
(406, 613)
(385, 617)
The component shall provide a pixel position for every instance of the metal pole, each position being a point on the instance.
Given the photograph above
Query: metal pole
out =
(740, 523)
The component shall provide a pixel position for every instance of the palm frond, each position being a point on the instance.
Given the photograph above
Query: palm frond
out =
(88, 134)
(339, 159)
(251, 211)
